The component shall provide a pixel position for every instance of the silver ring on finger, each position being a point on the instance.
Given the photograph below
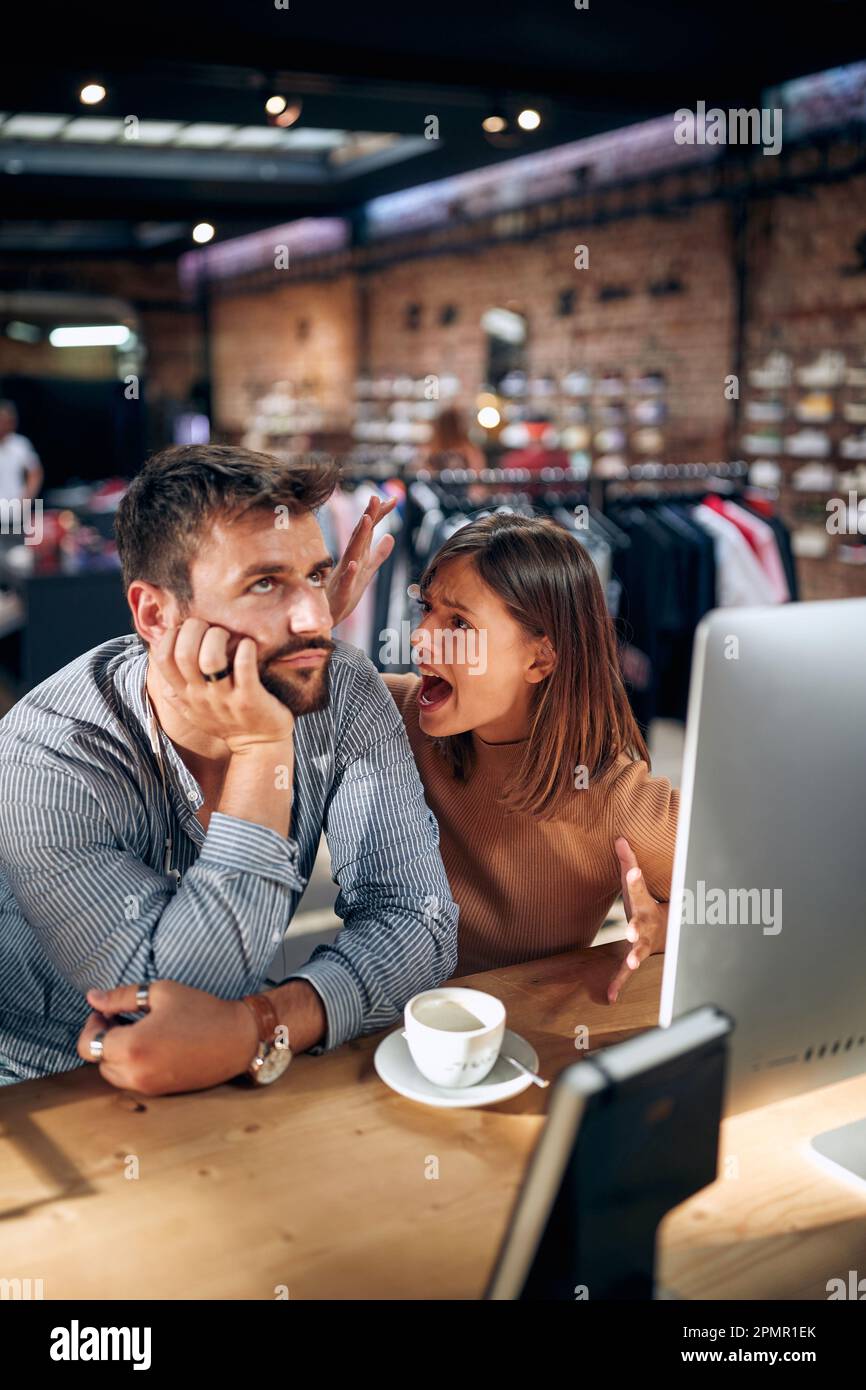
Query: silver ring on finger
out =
(142, 999)
(97, 1046)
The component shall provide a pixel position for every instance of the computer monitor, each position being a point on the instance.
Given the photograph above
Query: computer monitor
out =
(768, 916)
(632, 1131)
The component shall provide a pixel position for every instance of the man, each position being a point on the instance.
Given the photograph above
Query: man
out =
(20, 469)
(162, 799)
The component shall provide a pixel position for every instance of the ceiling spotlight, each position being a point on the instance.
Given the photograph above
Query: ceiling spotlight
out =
(289, 115)
(203, 232)
(493, 124)
(275, 105)
(488, 417)
(92, 94)
(529, 119)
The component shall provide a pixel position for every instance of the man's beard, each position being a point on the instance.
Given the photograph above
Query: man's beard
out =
(301, 691)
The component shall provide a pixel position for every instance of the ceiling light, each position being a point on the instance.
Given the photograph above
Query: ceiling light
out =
(97, 130)
(33, 127)
(205, 135)
(97, 335)
(21, 332)
(311, 138)
(529, 119)
(274, 105)
(488, 417)
(504, 324)
(157, 132)
(255, 137)
(493, 124)
(290, 115)
(203, 232)
(92, 93)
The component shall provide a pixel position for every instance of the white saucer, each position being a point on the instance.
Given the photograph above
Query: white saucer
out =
(393, 1062)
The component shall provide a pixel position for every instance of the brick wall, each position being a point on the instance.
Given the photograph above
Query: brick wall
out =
(305, 333)
(801, 294)
(688, 335)
(805, 294)
(174, 347)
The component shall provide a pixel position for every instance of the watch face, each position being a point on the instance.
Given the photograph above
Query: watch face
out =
(272, 1065)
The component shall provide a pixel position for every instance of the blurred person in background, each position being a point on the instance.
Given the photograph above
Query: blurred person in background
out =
(21, 472)
(450, 445)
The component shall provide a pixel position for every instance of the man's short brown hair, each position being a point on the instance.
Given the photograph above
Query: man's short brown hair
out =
(165, 512)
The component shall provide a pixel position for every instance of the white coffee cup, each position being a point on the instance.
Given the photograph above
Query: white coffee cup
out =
(454, 1035)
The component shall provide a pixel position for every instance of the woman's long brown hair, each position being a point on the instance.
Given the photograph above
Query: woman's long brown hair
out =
(580, 715)
(449, 431)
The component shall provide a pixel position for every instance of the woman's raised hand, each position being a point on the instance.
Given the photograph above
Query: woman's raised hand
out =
(359, 562)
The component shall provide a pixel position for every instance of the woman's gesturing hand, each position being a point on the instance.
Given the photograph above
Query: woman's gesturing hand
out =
(358, 562)
(647, 919)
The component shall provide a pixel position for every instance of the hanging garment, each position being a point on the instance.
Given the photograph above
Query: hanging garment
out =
(761, 539)
(741, 580)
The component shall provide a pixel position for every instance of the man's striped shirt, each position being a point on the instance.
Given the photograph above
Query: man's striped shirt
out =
(85, 901)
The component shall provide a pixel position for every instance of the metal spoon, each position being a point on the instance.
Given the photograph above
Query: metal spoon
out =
(537, 1080)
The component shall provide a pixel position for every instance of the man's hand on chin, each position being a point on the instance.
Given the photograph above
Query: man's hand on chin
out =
(188, 1041)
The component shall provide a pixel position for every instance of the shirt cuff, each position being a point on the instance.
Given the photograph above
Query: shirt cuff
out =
(245, 847)
(344, 1004)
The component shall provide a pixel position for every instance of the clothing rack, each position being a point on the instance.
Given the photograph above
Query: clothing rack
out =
(603, 489)
(457, 477)
(359, 471)
(598, 488)
(699, 538)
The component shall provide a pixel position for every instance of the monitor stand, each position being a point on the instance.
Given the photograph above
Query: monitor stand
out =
(843, 1150)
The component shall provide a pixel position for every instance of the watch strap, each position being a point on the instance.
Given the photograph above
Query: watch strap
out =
(265, 1016)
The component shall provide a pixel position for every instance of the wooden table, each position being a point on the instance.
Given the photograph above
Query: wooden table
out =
(323, 1183)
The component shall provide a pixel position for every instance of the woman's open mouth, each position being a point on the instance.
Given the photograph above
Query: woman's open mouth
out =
(434, 692)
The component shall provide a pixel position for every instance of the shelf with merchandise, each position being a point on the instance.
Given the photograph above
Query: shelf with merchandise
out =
(805, 416)
(611, 417)
(393, 412)
(283, 416)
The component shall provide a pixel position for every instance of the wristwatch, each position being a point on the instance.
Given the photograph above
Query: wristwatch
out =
(272, 1057)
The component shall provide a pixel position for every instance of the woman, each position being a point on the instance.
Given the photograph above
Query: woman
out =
(530, 757)
(450, 445)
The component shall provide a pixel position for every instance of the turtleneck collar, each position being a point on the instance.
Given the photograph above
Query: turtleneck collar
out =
(498, 757)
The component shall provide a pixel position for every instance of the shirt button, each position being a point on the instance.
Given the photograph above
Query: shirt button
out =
(192, 797)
